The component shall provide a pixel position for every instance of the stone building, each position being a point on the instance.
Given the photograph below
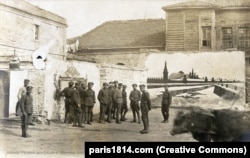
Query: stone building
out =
(120, 48)
(29, 33)
(114, 41)
(24, 29)
(209, 26)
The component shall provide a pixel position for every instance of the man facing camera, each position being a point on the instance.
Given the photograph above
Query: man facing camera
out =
(26, 104)
(145, 108)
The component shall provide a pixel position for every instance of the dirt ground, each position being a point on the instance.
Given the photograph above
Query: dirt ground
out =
(63, 140)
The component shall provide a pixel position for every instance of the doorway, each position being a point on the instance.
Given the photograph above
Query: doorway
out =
(4, 93)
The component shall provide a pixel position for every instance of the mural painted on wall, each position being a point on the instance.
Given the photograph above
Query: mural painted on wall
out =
(71, 71)
(211, 80)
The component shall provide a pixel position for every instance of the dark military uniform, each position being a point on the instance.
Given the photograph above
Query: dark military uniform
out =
(118, 100)
(165, 103)
(145, 107)
(103, 97)
(89, 100)
(82, 95)
(76, 102)
(69, 109)
(26, 104)
(124, 108)
(135, 97)
(111, 103)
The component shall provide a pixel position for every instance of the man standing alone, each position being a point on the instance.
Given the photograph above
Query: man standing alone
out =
(145, 108)
(26, 104)
(21, 92)
(165, 104)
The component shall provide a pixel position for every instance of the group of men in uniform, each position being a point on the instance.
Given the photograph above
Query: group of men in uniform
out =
(113, 102)
(79, 103)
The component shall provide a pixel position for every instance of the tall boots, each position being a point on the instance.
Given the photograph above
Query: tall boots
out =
(145, 125)
(139, 120)
(24, 131)
(88, 116)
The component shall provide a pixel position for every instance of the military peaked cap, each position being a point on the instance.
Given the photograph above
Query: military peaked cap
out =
(142, 85)
(105, 84)
(29, 87)
(90, 83)
(134, 85)
(77, 84)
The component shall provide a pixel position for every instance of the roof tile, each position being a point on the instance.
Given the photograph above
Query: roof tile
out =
(124, 34)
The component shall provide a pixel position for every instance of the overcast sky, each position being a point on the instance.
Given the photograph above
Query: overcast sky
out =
(226, 65)
(84, 15)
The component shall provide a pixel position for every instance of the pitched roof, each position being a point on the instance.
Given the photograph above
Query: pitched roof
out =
(191, 4)
(233, 3)
(34, 10)
(213, 4)
(124, 34)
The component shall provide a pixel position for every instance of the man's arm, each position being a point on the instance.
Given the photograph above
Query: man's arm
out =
(148, 100)
(130, 96)
(94, 96)
(22, 104)
(99, 96)
(170, 99)
(139, 96)
(19, 94)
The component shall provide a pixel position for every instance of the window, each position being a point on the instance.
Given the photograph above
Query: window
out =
(206, 36)
(36, 32)
(227, 38)
(244, 35)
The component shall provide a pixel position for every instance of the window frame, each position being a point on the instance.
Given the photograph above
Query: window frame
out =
(227, 41)
(244, 40)
(36, 31)
(208, 39)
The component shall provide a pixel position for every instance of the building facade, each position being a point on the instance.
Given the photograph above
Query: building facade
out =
(114, 41)
(209, 26)
(26, 28)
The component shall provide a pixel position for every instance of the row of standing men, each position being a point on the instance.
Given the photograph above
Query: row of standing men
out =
(79, 103)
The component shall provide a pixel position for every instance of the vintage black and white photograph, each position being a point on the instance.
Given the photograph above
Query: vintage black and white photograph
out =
(73, 71)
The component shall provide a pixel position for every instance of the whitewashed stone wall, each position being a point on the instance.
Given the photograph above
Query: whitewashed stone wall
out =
(58, 68)
(122, 74)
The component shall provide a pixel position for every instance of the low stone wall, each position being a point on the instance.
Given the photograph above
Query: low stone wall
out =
(176, 92)
(226, 93)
